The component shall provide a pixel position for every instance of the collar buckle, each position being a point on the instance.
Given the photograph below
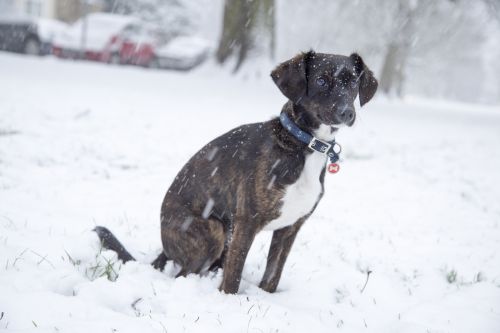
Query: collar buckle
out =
(319, 145)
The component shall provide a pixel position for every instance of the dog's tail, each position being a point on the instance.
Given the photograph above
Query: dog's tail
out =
(110, 242)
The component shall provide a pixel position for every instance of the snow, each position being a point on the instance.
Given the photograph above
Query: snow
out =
(48, 29)
(208, 208)
(84, 144)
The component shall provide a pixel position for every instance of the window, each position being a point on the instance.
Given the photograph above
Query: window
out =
(33, 7)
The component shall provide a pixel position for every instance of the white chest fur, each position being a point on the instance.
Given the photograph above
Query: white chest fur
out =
(301, 196)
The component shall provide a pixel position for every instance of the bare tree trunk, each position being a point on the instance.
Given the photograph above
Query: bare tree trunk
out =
(269, 24)
(392, 76)
(247, 25)
(393, 70)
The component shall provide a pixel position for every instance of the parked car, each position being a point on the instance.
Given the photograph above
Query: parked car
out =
(136, 45)
(28, 35)
(123, 39)
(147, 45)
(102, 30)
(182, 53)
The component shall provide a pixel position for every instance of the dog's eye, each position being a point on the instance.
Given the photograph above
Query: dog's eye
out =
(321, 82)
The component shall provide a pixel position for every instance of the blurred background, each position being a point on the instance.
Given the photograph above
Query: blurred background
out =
(103, 101)
(444, 49)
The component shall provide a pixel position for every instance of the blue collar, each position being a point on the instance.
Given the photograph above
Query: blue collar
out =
(313, 143)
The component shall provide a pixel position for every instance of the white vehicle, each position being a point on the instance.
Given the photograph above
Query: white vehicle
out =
(182, 53)
(90, 36)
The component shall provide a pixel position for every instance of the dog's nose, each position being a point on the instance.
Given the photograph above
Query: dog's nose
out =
(346, 115)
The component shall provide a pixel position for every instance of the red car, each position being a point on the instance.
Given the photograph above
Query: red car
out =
(135, 45)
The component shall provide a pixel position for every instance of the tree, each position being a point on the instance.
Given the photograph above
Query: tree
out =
(248, 27)
(398, 49)
(426, 31)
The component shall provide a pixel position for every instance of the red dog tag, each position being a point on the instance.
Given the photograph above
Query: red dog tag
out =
(333, 168)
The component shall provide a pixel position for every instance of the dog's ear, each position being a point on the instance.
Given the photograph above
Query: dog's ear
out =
(367, 82)
(291, 76)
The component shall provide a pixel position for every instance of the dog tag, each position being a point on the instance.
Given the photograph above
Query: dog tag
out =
(333, 168)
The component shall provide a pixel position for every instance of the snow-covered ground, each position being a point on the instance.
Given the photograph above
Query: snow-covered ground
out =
(417, 202)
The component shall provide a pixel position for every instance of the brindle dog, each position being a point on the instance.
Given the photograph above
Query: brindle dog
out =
(258, 176)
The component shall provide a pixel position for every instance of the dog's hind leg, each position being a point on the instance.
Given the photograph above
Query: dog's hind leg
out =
(217, 264)
(191, 241)
(160, 262)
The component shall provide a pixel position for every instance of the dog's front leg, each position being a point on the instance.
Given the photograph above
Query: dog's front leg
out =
(278, 252)
(243, 236)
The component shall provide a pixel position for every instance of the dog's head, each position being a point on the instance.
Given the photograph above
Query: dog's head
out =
(326, 85)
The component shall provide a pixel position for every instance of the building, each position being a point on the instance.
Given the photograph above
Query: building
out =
(38, 8)
(64, 10)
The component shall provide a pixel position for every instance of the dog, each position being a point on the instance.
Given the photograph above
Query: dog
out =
(261, 176)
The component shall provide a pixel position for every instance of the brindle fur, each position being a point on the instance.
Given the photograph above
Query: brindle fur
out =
(234, 186)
